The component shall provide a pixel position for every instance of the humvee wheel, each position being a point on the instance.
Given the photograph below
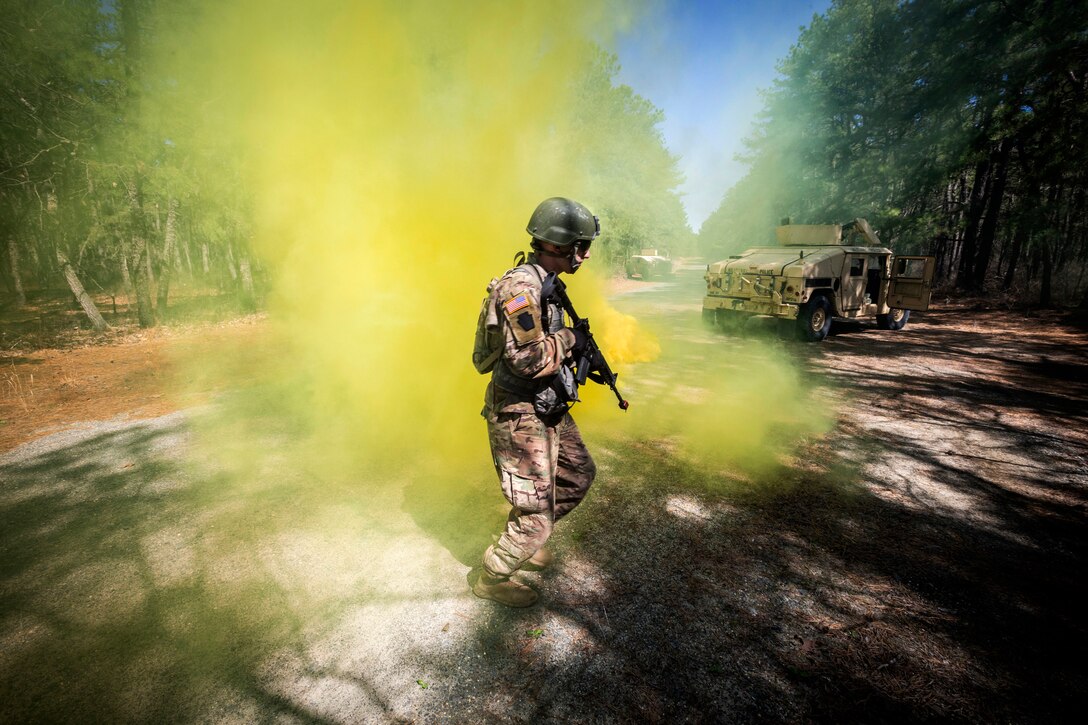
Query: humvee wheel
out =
(894, 320)
(814, 319)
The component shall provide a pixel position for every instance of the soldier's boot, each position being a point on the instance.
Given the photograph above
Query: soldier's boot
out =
(504, 591)
(542, 559)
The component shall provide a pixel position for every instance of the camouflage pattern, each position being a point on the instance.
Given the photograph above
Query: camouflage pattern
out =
(542, 463)
(532, 354)
(545, 471)
(818, 271)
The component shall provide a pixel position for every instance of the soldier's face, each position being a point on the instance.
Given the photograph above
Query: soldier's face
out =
(563, 259)
(581, 254)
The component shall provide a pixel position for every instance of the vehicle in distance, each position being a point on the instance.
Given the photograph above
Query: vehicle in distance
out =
(818, 272)
(648, 263)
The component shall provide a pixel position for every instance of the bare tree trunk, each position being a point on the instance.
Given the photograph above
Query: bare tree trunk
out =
(942, 242)
(1019, 238)
(76, 286)
(939, 248)
(1047, 242)
(139, 250)
(230, 263)
(1048, 271)
(147, 263)
(188, 259)
(1006, 240)
(34, 255)
(204, 257)
(92, 237)
(189, 243)
(965, 278)
(169, 250)
(1079, 282)
(92, 234)
(993, 212)
(244, 271)
(125, 276)
(955, 220)
(1082, 237)
(246, 274)
(13, 256)
(1065, 225)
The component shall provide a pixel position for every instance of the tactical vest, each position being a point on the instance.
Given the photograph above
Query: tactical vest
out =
(487, 349)
(551, 395)
(551, 320)
(488, 345)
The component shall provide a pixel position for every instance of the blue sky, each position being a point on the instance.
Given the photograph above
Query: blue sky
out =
(703, 63)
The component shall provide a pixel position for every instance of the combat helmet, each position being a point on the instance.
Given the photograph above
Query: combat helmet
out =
(561, 221)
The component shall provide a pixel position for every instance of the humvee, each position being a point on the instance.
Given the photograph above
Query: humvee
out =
(816, 273)
(648, 263)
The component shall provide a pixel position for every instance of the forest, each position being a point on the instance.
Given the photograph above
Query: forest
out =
(127, 180)
(957, 127)
(99, 195)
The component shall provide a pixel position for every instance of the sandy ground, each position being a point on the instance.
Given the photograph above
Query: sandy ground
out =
(47, 390)
(921, 560)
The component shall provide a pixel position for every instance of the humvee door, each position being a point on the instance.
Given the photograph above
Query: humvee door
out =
(911, 283)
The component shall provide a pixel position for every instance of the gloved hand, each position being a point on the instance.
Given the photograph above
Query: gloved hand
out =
(581, 337)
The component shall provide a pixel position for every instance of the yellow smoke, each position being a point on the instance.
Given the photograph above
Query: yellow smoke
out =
(621, 338)
(394, 153)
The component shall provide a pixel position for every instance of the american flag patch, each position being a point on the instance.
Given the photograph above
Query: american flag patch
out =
(514, 304)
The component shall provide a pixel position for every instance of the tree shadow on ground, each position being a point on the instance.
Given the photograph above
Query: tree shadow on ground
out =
(872, 576)
(463, 517)
(868, 575)
(800, 596)
(105, 603)
(681, 594)
(139, 585)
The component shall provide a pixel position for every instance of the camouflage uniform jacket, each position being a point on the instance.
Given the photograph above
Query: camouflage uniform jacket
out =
(535, 342)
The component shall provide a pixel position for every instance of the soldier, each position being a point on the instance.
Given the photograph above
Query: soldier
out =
(542, 463)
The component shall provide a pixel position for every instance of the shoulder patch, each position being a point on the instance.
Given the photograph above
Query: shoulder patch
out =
(523, 315)
(518, 302)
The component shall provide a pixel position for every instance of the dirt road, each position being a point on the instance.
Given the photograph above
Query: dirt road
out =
(919, 555)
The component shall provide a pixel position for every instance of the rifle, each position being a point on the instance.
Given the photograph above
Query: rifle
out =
(591, 364)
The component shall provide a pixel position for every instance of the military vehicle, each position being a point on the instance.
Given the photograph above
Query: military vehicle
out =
(818, 272)
(648, 263)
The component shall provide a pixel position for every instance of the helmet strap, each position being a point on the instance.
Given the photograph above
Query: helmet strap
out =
(573, 257)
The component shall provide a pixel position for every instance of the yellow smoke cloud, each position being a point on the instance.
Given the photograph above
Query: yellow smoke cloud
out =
(394, 152)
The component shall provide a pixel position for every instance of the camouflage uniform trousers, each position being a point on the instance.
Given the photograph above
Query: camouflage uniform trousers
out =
(545, 471)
